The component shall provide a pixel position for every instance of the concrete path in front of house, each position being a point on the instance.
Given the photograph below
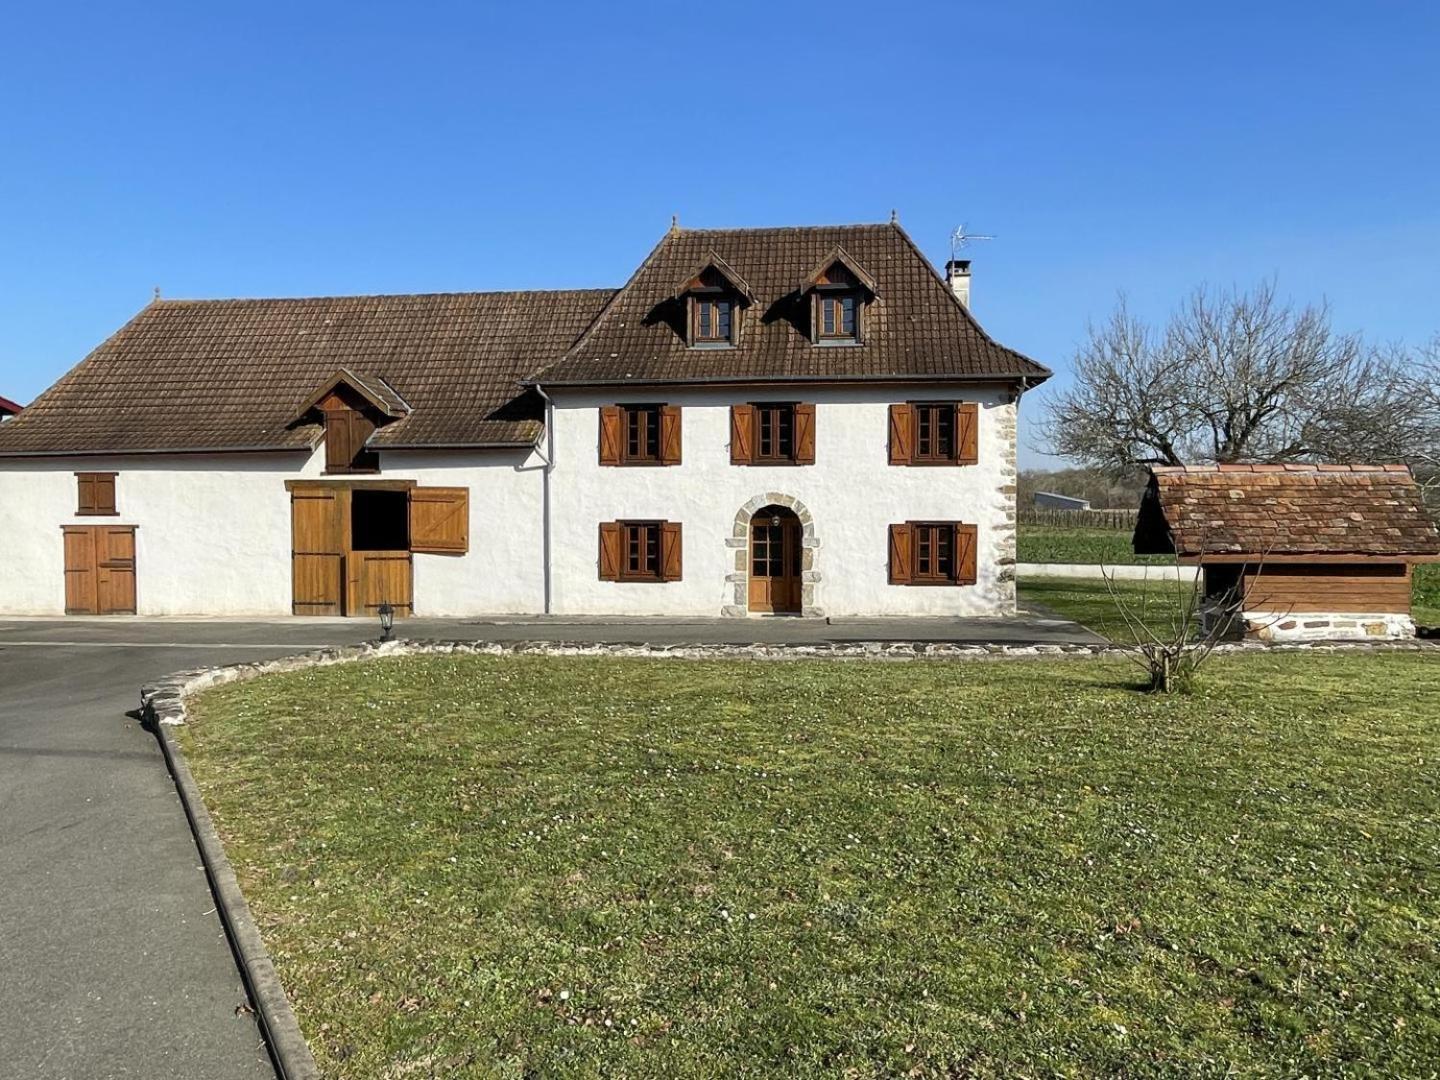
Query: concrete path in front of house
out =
(113, 961)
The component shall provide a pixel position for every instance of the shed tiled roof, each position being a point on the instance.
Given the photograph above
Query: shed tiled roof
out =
(1284, 510)
(8, 407)
(916, 329)
(233, 374)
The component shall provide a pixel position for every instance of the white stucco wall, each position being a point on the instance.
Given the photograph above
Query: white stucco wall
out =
(852, 493)
(213, 537)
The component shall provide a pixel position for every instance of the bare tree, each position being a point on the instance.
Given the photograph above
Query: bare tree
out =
(1234, 377)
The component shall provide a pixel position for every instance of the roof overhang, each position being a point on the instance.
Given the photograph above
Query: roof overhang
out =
(1260, 558)
(373, 389)
(837, 254)
(714, 262)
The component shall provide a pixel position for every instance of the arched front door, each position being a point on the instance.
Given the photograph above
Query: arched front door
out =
(775, 561)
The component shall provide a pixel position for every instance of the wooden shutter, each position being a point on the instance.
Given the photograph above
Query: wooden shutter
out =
(440, 520)
(339, 452)
(670, 554)
(902, 559)
(319, 516)
(611, 545)
(965, 539)
(96, 493)
(742, 434)
(669, 434)
(902, 433)
(612, 433)
(967, 433)
(805, 433)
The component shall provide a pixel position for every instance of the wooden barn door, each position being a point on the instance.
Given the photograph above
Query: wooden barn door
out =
(376, 577)
(320, 522)
(99, 569)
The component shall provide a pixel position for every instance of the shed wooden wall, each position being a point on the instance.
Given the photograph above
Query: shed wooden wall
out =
(1376, 588)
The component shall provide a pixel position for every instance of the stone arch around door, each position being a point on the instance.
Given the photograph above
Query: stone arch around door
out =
(738, 579)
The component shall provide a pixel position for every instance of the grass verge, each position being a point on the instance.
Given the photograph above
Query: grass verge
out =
(585, 867)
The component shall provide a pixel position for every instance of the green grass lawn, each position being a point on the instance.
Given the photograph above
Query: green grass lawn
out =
(1088, 601)
(592, 867)
(1427, 594)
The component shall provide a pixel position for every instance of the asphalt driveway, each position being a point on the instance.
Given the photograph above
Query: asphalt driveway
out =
(113, 961)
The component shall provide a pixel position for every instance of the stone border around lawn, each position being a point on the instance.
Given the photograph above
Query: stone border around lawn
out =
(163, 709)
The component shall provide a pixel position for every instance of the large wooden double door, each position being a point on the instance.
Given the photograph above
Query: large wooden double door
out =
(99, 569)
(775, 561)
(329, 575)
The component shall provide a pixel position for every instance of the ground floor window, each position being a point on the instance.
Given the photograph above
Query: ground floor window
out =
(932, 553)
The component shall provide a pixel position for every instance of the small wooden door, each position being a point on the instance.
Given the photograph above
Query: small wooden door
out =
(320, 521)
(99, 569)
(775, 561)
(376, 577)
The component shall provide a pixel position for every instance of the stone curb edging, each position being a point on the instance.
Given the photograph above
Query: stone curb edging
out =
(163, 709)
(289, 1052)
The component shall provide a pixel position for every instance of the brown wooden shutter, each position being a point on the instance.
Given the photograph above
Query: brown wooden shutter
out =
(902, 433)
(805, 433)
(612, 433)
(967, 433)
(965, 543)
(86, 483)
(902, 558)
(339, 453)
(610, 548)
(104, 493)
(440, 520)
(742, 434)
(669, 434)
(670, 554)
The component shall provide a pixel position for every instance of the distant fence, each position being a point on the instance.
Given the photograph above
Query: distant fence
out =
(1116, 520)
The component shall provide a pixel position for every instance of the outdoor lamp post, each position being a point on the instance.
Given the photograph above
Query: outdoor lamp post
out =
(387, 620)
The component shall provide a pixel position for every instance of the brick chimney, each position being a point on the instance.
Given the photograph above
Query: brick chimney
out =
(957, 275)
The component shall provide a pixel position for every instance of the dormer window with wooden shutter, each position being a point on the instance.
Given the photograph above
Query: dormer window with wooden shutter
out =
(351, 407)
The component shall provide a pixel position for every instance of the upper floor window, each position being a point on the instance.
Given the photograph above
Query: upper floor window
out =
(640, 435)
(713, 320)
(772, 433)
(96, 494)
(839, 318)
(935, 431)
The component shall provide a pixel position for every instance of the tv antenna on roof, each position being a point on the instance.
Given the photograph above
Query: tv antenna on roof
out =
(960, 237)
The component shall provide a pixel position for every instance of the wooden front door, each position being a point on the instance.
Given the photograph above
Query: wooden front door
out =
(320, 523)
(99, 569)
(775, 561)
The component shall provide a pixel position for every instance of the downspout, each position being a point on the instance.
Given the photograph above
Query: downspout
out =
(548, 458)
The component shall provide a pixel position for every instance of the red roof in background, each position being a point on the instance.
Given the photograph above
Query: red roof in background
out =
(8, 406)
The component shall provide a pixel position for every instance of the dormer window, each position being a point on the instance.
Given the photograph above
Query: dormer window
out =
(713, 318)
(840, 292)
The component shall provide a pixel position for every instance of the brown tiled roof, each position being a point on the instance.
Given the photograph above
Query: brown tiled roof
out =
(916, 329)
(233, 374)
(1284, 510)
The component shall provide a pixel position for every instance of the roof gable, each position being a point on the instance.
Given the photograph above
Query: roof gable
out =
(703, 273)
(917, 329)
(821, 275)
(375, 391)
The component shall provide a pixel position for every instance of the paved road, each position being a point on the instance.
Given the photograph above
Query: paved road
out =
(113, 962)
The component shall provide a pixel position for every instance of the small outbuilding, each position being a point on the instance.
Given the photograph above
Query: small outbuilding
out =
(1308, 552)
(8, 409)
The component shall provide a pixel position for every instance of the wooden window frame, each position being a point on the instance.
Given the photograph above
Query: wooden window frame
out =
(936, 413)
(668, 554)
(699, 301)
(838, 336)
(905, 546)
(779, 412)
(746, 426)
(615, 427)
(98, 485)
(904, 434)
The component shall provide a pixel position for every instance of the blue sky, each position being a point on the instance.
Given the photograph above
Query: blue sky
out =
(317, 148)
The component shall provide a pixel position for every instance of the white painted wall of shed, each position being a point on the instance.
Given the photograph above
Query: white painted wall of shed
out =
(852, 491)
(213, 531)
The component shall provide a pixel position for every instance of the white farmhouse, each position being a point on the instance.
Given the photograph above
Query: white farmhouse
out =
(761, 421)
